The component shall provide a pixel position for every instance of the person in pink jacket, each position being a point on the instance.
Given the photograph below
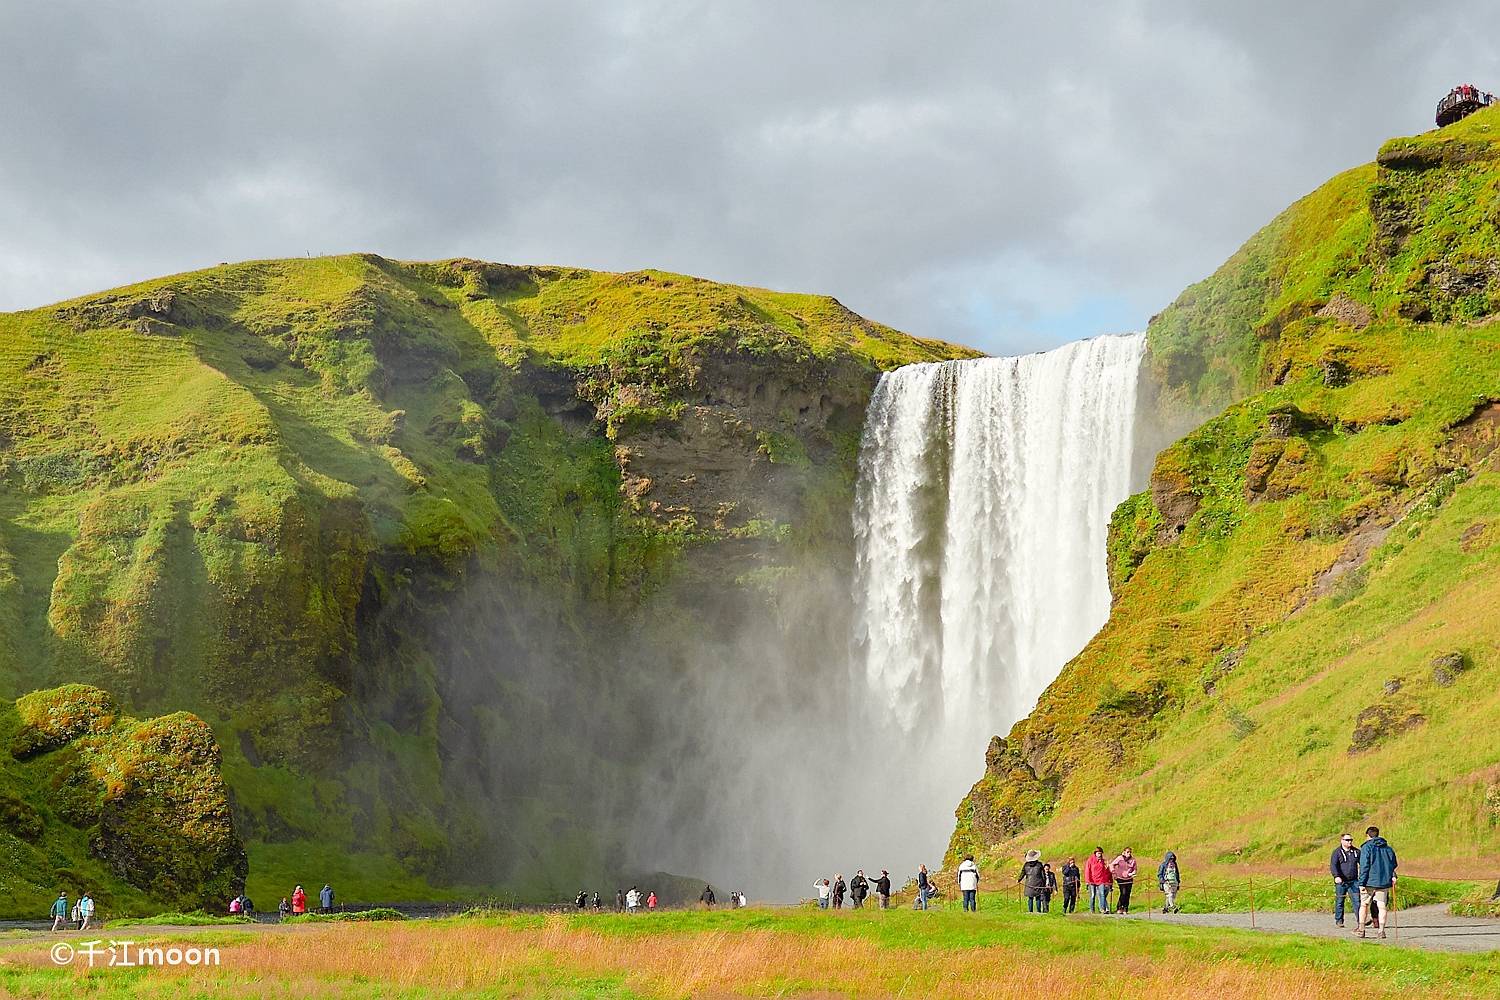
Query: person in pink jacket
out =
(1097, 877)
(1123, 869)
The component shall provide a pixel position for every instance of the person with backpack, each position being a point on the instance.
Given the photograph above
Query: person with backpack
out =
(839, 888)
(859, 888)
(1343, 865)
(59, 910)
(1377, 874)
(325, 898)
(968, 883)
(86, 912)
(1097, 877)
(883, 889)
(1071, 879)
(581, 900)
(824, 889)
(924, 887)
(1169, 880)
(1123, 868)
(1033, 879)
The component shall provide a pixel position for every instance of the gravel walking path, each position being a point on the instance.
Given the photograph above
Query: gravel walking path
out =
(1431, 927)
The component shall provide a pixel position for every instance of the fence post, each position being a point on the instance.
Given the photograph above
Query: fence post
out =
(1252, 902)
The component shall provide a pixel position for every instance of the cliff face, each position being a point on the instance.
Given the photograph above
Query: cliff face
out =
(1306, 561)
(388, 528)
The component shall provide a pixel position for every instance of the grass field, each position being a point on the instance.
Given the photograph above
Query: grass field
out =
(767, 953)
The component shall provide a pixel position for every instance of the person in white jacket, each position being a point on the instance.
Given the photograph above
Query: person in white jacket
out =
(825, 889)
(968, 882)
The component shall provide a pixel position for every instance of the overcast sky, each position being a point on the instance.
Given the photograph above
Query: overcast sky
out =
(1010, 175)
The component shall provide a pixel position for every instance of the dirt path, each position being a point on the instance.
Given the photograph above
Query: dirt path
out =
(1431, 927)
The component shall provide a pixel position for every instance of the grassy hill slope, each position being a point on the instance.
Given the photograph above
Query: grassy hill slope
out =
(1303, 639)
(364, 516)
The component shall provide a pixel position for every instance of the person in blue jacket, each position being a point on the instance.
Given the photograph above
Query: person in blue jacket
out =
(1377, 874)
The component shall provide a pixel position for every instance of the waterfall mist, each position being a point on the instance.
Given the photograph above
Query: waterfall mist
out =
(839, 727)
(764, 717)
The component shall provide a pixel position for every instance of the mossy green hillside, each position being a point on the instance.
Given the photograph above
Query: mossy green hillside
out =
(354, 512)
(1299, 643)
(135, 812)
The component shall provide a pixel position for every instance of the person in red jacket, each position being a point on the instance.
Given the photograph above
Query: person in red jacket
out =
(1097, 877)
(299, 901)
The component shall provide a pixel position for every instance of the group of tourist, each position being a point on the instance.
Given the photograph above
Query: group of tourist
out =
(79, 913)
(633, 900)
(832, 892)
(1363, 877)
(290, 906)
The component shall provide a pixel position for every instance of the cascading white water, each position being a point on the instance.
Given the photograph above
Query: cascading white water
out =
(981, 514)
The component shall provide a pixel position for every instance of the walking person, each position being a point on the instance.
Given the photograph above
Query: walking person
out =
(859, 888)
(1343, 865)
(707, 897)
(1377, 874)
(968, 883)
(883, 889)
(839, 888)
(59, 911)
(1097, 877)
(1071, 878)
(1049, 889)
(1123, 868)
(86, 912)
(325, 898)
(924, 887)
(825, 892)
(1169, 880)
(1033, 879)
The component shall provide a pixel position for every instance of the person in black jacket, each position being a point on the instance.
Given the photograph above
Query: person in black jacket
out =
(707, 898)
(1049, 888)
(859, 888)
(1033, 879)
(1072, 878)
(883, 889)
(924, 887)
(839, 889)
(1344, 867)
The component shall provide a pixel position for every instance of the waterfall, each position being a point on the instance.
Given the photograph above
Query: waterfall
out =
(981, 514)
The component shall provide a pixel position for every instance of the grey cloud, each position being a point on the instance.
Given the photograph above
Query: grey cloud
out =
(1005, 175)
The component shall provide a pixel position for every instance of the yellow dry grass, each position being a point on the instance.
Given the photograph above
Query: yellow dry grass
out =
(554, 957)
